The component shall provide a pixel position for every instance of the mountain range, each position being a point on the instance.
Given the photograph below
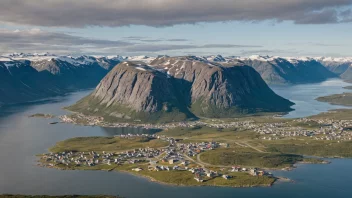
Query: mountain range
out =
(281, 70)
(179, 88)
(28, 77)
(340, 66)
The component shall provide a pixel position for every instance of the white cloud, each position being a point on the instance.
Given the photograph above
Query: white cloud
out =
(82, 13)
(37, 40)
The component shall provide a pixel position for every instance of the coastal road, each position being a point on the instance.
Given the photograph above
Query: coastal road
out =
(240, 143)
(245, 144)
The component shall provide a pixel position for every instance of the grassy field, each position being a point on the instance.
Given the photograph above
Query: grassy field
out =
(311, 147)
(249, 158)
(199, 134)
(186, 178)
(121, 113)
(41, 115)
(337, 99)
(105, 144)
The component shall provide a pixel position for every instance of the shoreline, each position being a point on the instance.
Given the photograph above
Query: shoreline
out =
(151, 179)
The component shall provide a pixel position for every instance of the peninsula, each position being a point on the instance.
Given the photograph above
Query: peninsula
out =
(337, 99)
(234, 152)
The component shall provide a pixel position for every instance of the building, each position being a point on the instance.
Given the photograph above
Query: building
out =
(172, 161)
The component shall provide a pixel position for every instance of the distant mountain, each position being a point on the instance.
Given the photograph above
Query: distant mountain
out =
(278, 70)
(340, 66)
(29, 77)
(75, 73)
(19, 82)
(179, 88)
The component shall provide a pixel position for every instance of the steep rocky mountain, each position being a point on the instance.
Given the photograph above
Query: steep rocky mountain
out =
(134, 91)
(19, 82)
(339, 66)
(177, 88)
(277, 70)
(220, 90)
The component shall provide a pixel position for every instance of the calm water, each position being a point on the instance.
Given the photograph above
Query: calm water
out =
(21, 138)
(304, 96)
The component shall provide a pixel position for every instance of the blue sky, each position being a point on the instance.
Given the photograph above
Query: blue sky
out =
(313, 28)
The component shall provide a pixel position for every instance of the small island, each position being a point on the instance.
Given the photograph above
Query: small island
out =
(41, 115)
(337, 99)
(348, 87)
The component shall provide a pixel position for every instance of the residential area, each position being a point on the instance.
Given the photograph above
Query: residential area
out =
(177, 156)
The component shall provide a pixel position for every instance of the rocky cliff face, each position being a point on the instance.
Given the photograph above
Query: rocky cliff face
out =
(177, 88)
(134, 91)
(220, 90)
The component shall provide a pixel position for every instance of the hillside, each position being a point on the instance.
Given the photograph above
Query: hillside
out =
(179, 88)
(19, 82)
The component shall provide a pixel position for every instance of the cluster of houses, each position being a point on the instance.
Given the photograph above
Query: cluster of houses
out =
(93, 158)
(192, 149)
(329, 129)
(172, 154)
(169, 158)
(99, 121)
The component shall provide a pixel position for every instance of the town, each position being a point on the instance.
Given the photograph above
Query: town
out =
(325, 129)
(174, 157)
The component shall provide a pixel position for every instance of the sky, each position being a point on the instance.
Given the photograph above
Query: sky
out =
(177, 27)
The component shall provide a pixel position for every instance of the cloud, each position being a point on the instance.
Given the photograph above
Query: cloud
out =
(167, 47)
(316, 44)
(36, 40)
(147, 39)
(42, 41)
(269, 52)
(158, 13)
(177, 40)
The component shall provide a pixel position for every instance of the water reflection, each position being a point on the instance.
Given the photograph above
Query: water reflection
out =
(304, 96)
(123, 131)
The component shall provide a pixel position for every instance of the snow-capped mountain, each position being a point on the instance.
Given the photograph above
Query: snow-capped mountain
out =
(285, 70)
(340, 66)
(40, 75)
(35, 76)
